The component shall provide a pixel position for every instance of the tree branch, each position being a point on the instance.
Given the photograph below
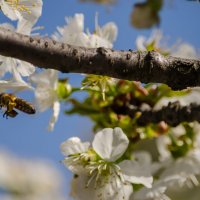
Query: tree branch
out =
(146, 67)
(173, 114)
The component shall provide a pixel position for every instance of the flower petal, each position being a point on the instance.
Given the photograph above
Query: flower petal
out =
(158, 189)
(13, 85)
(34, 10)
(109, 31)
(156, 192)
(110, 143)
(6, 9)
(54, 118)
(72, 32)
(109, 190)
(97, 41)
(136, 173)
(47, 78)
(45, 91)
(25, 68)
(73, 146)
(29, 10)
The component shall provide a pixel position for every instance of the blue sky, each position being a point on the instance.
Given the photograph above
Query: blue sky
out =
(26, 135)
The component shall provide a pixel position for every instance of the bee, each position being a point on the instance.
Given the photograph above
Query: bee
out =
(10, 101)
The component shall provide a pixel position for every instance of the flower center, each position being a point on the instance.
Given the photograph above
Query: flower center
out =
(102, 172)
(16, 5)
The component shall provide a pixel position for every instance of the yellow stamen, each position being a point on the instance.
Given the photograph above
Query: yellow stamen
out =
(16, 5)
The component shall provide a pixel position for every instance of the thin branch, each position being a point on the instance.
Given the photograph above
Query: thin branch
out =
(146, 67)
(173, 114)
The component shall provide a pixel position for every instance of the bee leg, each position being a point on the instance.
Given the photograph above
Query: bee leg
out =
(5, 115)
(11, 113)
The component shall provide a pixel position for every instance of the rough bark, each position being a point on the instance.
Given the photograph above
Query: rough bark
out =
(173, 114)
(146, 67)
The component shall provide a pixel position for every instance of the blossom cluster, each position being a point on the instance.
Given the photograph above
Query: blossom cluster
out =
(102, 169)
(99, 172)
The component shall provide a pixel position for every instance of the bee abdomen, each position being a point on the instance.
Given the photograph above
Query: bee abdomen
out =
(24, 106)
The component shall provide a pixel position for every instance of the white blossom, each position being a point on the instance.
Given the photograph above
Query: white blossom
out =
(99, 175)
(22, 10)
(73, 33)
(173, 174)
(74, 146)
(16, 84)
(157, 192)
(30, 179)
(46, 94)
(14, 66)
(13, 85)
(186, 167)
(142, 41)
(111, 189)
(158, 41)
